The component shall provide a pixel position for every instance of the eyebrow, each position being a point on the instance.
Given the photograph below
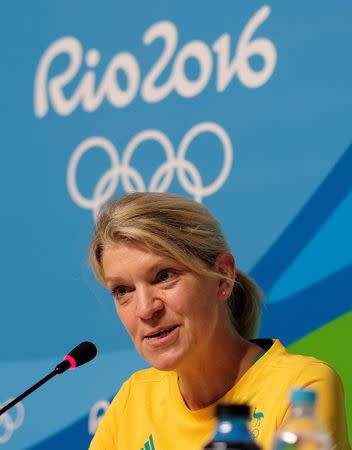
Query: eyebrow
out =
(162, 263)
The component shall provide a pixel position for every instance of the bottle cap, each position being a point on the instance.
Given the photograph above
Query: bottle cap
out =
(305, 396)
(232, 409)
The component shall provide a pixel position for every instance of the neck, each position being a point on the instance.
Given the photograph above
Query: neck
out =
(214, 372)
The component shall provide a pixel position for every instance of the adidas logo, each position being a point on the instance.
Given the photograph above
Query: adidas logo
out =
(149, 445)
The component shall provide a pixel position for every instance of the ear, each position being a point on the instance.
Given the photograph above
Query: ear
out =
(225, 265)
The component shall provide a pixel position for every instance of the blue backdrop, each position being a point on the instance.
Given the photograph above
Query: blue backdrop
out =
(243, 106)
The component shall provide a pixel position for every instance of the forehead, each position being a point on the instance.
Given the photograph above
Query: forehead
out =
(131, 248)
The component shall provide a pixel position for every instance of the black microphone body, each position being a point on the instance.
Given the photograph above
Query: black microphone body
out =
(83, 353)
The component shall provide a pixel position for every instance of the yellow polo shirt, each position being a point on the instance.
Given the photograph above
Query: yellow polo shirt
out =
(149, 413)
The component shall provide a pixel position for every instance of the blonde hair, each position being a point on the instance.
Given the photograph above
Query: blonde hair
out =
(183, 230)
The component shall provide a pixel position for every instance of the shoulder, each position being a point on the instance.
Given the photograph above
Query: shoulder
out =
(299, 371)
(299, 366)
(292, 370)
(140, 384)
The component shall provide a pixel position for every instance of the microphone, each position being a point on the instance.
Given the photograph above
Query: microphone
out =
(81, 354)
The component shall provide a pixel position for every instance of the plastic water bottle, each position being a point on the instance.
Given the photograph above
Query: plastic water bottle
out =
(303, 430)
(232, 432)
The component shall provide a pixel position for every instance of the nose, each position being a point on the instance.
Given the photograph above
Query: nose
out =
(149, 302)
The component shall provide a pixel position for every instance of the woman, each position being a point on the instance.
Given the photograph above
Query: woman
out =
(193, 316)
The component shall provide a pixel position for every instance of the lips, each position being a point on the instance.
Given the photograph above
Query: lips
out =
(160, 332)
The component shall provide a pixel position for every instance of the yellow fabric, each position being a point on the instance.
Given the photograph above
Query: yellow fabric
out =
(148, 413)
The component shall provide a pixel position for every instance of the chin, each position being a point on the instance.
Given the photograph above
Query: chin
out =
(164, 362)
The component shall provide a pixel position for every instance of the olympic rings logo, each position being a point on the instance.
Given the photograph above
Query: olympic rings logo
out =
(96, 414)
(10, 421)
(187, 173)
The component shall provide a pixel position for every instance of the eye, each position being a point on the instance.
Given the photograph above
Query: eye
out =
(119, 292)
(165, 275)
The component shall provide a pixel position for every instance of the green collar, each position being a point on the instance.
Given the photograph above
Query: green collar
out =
(257, 358)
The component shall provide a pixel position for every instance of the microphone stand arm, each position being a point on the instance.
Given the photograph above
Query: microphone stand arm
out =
(60, 368)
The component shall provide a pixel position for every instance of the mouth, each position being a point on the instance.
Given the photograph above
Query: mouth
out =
(162, 332)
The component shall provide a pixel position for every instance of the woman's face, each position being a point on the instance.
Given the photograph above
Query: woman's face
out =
(170, 312)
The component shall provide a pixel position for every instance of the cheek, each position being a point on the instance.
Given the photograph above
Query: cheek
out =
(127, 319)
(203, 310)
(197, 309)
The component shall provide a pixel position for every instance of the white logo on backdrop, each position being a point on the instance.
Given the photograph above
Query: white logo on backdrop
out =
(90, 94)
(121, 169)
(96, 414)
(10, 421)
